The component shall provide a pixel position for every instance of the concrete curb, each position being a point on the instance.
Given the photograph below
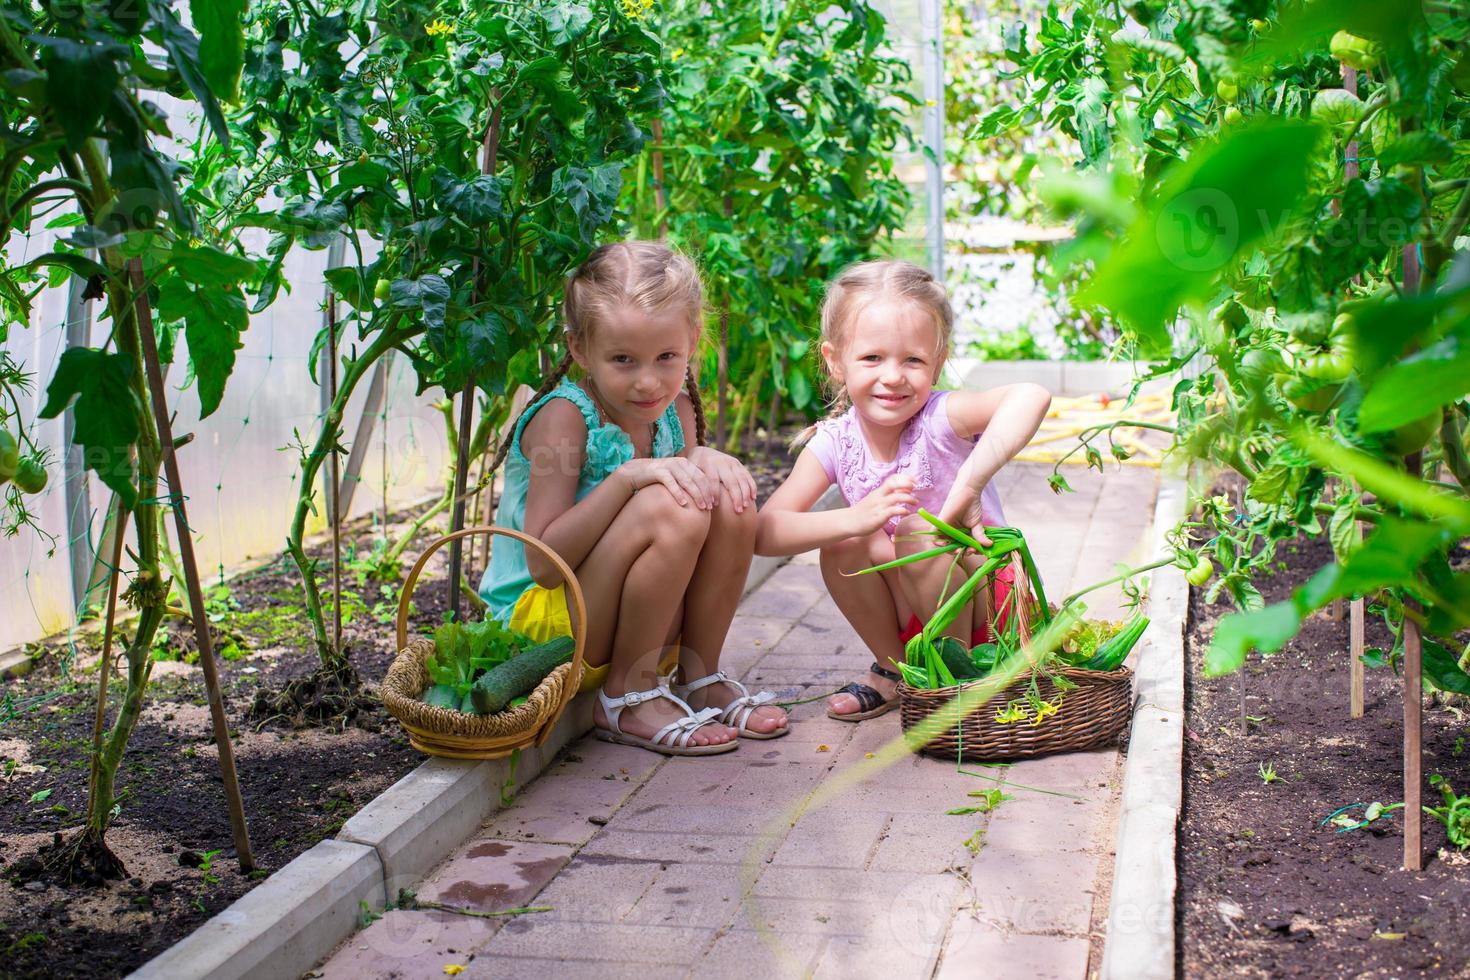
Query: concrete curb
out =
(1140, 938)
(298, 915)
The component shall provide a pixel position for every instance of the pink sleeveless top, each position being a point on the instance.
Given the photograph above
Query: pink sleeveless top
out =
(929, 451)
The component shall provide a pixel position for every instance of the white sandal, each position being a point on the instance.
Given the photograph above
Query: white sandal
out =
(673, 738)
(737, 713)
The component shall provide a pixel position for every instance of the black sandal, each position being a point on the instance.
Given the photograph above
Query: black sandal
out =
(870, 703)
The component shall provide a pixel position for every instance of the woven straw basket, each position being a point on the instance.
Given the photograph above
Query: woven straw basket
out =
(1092, 714)
(453, 734)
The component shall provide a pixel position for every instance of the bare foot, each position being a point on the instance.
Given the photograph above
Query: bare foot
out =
(763, 720)
(847, 704)
(644, 720)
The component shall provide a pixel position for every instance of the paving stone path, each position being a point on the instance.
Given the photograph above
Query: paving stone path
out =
(656, 868)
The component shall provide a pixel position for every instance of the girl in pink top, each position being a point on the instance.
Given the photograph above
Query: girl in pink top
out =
(892, 445)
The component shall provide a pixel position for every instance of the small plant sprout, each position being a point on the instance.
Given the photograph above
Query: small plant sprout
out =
(1267, 772)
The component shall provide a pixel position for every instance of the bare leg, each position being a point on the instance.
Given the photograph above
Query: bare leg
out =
(926, 584)
(634, 582)
(709, 607)
(873, 604)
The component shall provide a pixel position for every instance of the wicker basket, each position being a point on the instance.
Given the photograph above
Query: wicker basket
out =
(454, 734)
(1094, 713)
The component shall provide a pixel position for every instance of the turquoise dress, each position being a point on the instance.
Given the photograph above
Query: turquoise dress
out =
(608, 447)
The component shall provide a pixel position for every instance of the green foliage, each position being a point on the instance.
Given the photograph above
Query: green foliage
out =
(778, 142)
(1323, 309)
(463, 650)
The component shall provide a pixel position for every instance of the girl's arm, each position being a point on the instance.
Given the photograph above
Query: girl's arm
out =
(787, 527)
(555, 443)
(1008, 416)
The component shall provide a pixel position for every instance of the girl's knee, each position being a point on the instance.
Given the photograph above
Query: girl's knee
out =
(912, 535)
(730, 526)
(844, 553)
(668, 517)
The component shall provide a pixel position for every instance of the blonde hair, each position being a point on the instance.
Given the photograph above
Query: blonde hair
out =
(861, 285)
(647, 276)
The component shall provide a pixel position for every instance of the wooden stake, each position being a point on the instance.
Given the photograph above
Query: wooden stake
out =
(1355, 663)
(149, 344)
(334, 470)
(660, 196)
(722, 376)
(1413, 744)
(490, 146)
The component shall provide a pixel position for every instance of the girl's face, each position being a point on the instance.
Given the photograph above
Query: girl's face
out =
(636, 362)
(888, 361)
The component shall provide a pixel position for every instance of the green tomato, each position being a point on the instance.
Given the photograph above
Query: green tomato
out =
(9, 455)
(1202, 572)
(1413, 437)
(1258, 25)
(423, 148)
(1355, 52)
(1306, 395)
(1233, 116)
(1226, 90)
(1259, 363)
(30, 476)
(383, 291)
(1332, 366)
(370, 119)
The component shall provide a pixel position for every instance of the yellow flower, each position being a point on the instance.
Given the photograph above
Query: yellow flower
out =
(930, 103)
(635, 9)
(439, 27)
(453, 969)
(1045, 710)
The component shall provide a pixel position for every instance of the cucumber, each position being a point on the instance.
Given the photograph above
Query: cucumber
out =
(957, 659)
(520, 674)
(442, 696)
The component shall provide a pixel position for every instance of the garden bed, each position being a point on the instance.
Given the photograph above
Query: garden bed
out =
(1264, 889)
(300, 784)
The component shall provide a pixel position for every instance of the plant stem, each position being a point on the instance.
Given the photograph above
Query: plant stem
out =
(1157, 563)
(387, 339)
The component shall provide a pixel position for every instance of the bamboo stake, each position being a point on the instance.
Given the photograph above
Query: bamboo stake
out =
(104, 666)
(722, 379)
(1356, 611)
(190, 568)
(660, 196)
(491, 146)
(334, 469)
(1413, 668)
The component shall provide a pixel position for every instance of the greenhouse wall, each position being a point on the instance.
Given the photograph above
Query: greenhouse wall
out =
(240, 470)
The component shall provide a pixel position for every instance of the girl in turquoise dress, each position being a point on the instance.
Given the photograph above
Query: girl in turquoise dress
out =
(612, 473)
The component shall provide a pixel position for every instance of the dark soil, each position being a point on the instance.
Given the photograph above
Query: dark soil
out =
(302, 773)
(1265, 889)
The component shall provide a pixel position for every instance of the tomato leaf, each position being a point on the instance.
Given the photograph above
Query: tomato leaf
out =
(1212, 206)
(213, 318)
(221, 25)
(1442, 669)
(1267, 630)
(1417, 385)
(106, 412)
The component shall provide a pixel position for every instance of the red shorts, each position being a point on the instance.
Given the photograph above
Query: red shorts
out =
(1004, 580)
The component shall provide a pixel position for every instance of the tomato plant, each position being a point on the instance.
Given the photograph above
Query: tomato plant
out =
(779, 136)
(80, 154)
(1323, 311)
(469, 155)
